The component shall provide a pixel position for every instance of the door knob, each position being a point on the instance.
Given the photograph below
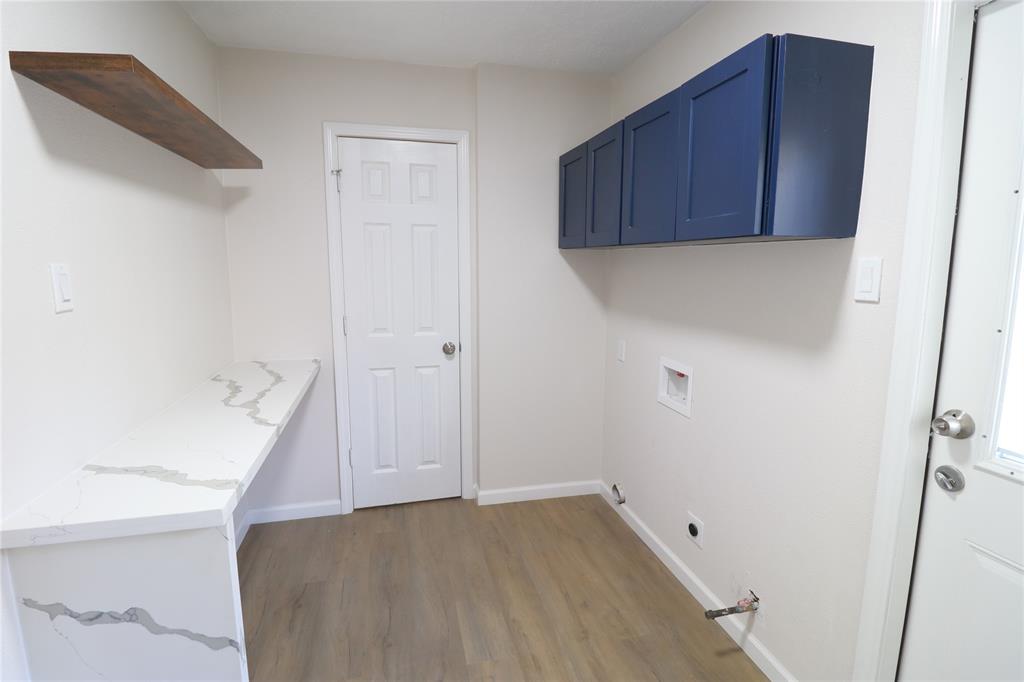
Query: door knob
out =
(953, 424)
(448, 348)
(949, 478)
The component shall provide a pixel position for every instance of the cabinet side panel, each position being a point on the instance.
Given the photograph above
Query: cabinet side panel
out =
(822, 93)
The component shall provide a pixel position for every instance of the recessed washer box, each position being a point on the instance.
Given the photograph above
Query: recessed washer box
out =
(675, 386)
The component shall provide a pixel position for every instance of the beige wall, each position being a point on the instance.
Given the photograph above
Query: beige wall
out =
(540, 330)
(541, 317)
(141, 230)
(277, 224)
(780, 458)
(139, 227)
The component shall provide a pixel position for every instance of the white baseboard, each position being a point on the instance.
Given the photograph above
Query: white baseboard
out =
(537, 492)
(751, 645)
(285, 512)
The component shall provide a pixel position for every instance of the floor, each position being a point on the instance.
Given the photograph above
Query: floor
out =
(550, 590)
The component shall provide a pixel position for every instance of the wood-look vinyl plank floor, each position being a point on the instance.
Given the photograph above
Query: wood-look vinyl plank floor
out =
(446, 590)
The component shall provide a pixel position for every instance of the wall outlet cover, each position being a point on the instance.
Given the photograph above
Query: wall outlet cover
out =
(695, 529)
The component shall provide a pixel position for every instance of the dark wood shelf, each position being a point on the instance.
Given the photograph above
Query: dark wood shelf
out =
(120, 88)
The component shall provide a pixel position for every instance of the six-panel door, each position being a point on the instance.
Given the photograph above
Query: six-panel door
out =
(572, 198)
(399, 228)
(604, 186)
(722, 146)
(650, 166)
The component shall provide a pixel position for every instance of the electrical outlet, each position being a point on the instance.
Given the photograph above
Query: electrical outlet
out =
(695, 529)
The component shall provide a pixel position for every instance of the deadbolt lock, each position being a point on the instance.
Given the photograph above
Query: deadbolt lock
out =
(949, 478)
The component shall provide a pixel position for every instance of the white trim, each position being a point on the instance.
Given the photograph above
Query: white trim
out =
(1003, 468)
(340, 348)
(537, 492)
(467, 331)
(935, 171)
(285, 512)
(762, 657)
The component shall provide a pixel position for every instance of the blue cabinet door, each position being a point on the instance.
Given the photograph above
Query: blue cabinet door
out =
(650, 166)
(572, 198)
(822, 91)
(722, 146)
(604, 187)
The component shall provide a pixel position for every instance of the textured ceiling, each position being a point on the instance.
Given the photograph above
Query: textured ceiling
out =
(583, 36)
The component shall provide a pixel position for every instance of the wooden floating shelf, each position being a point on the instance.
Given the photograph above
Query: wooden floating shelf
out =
(120, 88)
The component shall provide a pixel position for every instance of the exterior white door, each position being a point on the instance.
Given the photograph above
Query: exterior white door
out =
(966, 616)
(399, 227)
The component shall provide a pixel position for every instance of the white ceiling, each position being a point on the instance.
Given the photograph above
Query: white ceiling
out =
(594, 36)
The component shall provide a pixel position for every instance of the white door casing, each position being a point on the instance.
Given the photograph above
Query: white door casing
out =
(966, 616)
(947, 33)
(400, 253)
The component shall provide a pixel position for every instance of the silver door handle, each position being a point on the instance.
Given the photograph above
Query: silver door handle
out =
(448, 348)
(953, 424)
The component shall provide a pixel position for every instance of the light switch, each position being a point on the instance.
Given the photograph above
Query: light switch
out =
(620, 353)
(61, 278)
(868, 285)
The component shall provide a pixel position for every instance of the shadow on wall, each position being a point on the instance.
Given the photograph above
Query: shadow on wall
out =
(235, 194)
(75, 135)
(590, 268)
(781, 293)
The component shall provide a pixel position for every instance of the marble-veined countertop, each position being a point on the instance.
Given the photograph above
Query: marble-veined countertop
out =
(185, 468)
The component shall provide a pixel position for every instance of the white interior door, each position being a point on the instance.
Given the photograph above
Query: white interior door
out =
(399, 225)
(966, 617)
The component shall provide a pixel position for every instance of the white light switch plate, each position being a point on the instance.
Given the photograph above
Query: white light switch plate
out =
(868, 284)
(620, 353)
(60, 277)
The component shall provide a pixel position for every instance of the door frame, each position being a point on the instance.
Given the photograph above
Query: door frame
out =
(467, 268)
(947, 37)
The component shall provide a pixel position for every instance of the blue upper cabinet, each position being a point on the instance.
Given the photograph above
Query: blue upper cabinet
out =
(572, 198)
(818, 136)
(649, 172)
(604, 186)
(766, 144)
(722, 146)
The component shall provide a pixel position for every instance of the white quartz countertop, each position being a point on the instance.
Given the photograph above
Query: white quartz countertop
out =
(185, 468)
